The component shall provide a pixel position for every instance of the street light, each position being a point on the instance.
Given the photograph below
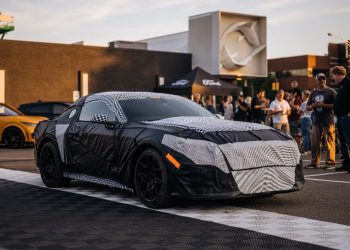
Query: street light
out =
(339, 37)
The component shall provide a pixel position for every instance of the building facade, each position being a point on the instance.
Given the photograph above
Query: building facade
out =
(298, 68)
(304, 68)
(53, 72)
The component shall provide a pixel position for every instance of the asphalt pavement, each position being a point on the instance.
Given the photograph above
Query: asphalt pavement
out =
(86, 216)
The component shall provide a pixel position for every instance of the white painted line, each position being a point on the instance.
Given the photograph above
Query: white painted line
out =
(311, 175)
(300, 229)
(311, 179)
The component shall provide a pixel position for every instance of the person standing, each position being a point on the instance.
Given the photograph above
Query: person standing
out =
(305, 121)
(294, 117)
(342, 111)
(228, 107)
(321, 102)
(241, 109)
(248, 101)
(198, 99)
(221, 105)
(280, 109)
(210, 105)
(258, 107)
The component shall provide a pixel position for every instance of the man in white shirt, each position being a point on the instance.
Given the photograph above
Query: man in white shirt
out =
(280, 109)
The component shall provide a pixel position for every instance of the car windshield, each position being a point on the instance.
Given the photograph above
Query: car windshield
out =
(150, 109)
(8, 111)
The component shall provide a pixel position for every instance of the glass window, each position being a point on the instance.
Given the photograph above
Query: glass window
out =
(72, 113)
(5, 111)
(159, 108)
(59, 108)
(39, 108)
(67, 115)
(96, 108)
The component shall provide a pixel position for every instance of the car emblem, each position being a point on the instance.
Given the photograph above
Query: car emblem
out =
(231, 58)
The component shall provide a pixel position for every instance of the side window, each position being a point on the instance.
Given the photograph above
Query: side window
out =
(96, 111)
(72, 113)
(58, 108)
(5, 111)
(66, 116)
(39, 108)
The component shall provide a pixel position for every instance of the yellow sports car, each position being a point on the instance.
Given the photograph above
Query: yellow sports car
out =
(16, 129)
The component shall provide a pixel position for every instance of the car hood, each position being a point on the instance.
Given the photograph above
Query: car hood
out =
(207, 124)
(29, 119)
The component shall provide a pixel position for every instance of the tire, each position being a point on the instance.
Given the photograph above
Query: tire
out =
(50, 166)
(151, 179)
(13, 138)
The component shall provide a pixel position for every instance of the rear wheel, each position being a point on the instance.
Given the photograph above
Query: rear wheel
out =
(151, 179)
(50, 166)
(13, 138)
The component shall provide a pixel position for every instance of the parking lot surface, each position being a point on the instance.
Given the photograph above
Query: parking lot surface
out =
(86, 216)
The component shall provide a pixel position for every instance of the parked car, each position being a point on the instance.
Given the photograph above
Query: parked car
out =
(46, 109)
(16, 129)
(160, 146)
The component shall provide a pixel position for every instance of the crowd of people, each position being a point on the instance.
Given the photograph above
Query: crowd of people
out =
(313, 118)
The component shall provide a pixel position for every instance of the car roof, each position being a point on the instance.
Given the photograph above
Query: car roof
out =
(38, 103)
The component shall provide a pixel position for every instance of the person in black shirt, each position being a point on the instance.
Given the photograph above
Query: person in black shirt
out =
(258, 106)
(321, 102)
(342, 110)
(240, 109)
(210, 105)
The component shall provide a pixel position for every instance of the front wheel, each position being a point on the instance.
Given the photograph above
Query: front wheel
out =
(50, 166)
(151, 179)
(13, 138)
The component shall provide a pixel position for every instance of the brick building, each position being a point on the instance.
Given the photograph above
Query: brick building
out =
(50, 72)
(300, 68)
(304, 68)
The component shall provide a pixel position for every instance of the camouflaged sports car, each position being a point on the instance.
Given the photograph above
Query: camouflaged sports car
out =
(160, 146)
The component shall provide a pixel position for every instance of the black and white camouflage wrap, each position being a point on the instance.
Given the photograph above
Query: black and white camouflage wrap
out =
(93, 179)
(199, 151)
(207, 124)
(218, 158)
(99, 118)
(258, 167)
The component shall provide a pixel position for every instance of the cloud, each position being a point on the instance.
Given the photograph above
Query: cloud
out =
(305, 14)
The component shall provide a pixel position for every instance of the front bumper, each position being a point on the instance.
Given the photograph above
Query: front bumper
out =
(211, 183)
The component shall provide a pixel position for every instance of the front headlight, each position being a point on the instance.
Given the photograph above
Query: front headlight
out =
(201, 152)
(29, 124)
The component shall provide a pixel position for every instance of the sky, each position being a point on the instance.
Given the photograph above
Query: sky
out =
(294, 27)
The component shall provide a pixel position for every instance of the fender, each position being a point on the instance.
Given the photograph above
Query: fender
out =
(16, 125)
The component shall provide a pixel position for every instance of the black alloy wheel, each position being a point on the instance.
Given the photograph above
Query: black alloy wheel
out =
(13, 138)
(50, 166)
(151, 179)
